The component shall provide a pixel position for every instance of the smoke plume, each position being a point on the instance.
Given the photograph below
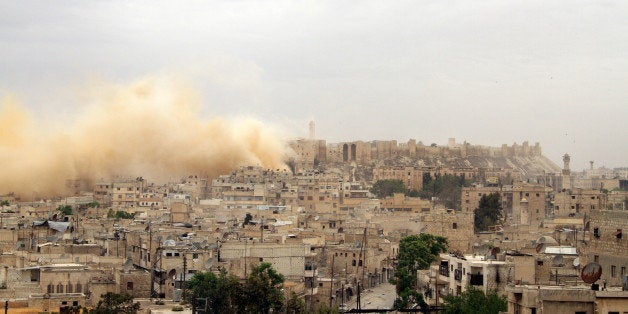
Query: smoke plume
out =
(151, 128)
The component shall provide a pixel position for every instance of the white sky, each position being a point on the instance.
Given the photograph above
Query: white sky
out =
(489, 72)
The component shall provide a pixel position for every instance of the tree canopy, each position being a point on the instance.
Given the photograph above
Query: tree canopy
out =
(113, 303)
(119, 214)
(385, 188)
(260, 293)
(65, 209)
(488, 213)
(446, 188)
(475, 301)
(415, 252)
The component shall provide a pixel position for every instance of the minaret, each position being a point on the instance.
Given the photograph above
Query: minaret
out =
(312, 131)
(566, 172)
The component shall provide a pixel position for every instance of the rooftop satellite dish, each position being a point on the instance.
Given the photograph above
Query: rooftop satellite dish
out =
(496, 250)
(591, 272)
(209, 263)
(540, 248)
(576, 262)
(557, 260)
(128, 265)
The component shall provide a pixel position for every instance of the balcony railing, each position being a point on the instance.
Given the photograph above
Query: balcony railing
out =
(444, 270)
(458, 274)
(476, 279)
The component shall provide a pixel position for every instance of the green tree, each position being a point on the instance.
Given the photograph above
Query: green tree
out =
(475, 301)
(384, 188)
(446, 188)
(113, 303)
(4, 203)
(93, 204)
(124, 215)
(260, 293)
(295, 304)
(223, 292)
(263, 289)
(65, 209)
(488, 213)
(415, 252)
(247, 218)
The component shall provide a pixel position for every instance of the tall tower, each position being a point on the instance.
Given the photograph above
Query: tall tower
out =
(566, 160)
(312, 130)
(566, 173)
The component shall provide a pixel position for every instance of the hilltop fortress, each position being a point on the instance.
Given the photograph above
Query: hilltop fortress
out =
(525, 160)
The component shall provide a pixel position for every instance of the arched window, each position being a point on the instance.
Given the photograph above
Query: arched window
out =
(51, 288)
(79, 287)
(59, 288)
(69, 287)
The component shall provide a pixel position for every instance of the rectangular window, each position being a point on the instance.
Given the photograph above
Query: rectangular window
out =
(613, 271)
(454, 226)
(129, 285)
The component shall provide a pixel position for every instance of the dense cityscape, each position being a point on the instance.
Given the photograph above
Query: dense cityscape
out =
(319, 156)
(338, 222)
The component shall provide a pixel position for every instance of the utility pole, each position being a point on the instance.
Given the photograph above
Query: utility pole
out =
(246, 240)
(152, 270)
(331, 285)
(185, 270)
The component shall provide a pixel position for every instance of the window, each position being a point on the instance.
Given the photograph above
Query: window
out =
(353, 263)
(623, 272)
(596, 258)
(539, 263)
(596, 232)
(618, 234)
(613, 271)
(79, 288)
(195, 255)
(454, 226)
(129, 285)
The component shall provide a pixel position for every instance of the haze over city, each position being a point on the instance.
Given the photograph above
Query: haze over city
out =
(488, 73)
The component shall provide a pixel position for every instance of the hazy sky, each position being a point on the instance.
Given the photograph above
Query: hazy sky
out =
(489, 72)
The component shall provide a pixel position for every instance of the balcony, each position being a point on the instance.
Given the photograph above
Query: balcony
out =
(310, 273)
(443, 270)
(458, 274)
(476, 279)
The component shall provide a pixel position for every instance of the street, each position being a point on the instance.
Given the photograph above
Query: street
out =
(380, 297)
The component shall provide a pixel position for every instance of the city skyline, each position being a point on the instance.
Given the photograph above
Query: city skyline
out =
(489, 73)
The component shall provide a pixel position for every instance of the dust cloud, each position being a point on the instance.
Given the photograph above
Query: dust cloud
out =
(151, 128)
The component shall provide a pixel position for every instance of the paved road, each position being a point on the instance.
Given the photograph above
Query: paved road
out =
(380, 297)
